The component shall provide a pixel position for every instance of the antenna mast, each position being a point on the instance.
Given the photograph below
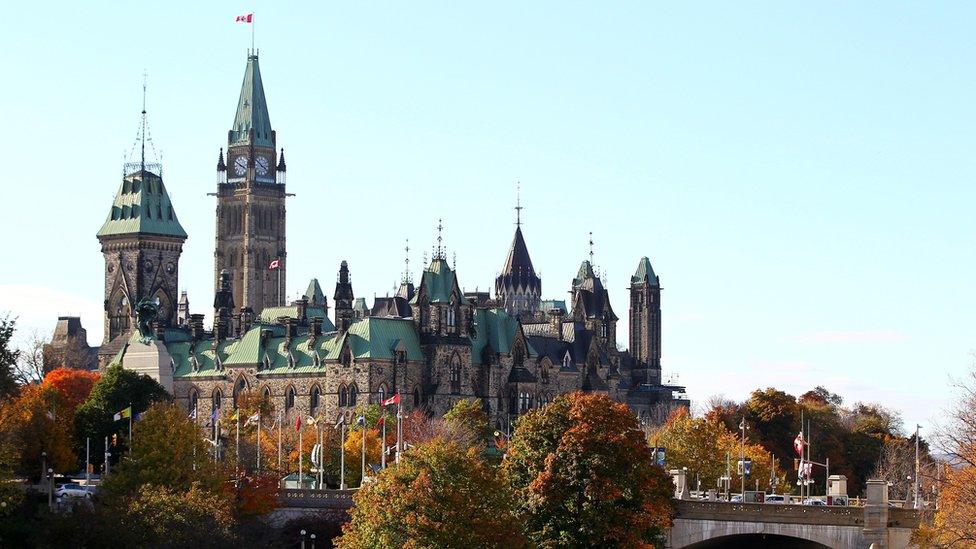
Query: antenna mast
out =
(142, 142)
(518, 203)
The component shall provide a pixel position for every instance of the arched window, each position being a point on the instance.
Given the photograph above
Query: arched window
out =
(289, 398)
(267, 393)
(343, 396)
(416, 398)
(451, 316)
(217, 397)
(239, 389)
(353, 392)
(194, 397)
(313, 400)
(381, 393)
(455, 374)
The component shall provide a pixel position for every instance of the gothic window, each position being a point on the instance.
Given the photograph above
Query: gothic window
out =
(289, 398)
(512, 400)
(567, 361)
(606, 330)
(451, 312)
(194, 397)
(313, 400)
(217, 397)
(544, 371)
(267, 393)
(239, 388)
(381, 393)
(353, 393)
(343, 396)
(455, 374)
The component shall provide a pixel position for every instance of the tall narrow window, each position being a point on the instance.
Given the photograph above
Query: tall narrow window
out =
(381, 393)
(194, 397)
(290, 398)
(217, 397)
(353, 393)
(313, 401)
(343, 396)
(416, 398)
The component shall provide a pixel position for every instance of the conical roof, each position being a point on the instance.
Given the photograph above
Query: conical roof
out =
(142, 207)
(252, 110)
(517, 270)
(314, 293)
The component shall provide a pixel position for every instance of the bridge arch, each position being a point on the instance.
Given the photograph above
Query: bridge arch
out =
(707, 534)
(756, 540)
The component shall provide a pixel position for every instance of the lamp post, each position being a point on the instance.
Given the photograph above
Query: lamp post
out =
(50, 488)
(43, 468)
(313, 540)
(742, 457)
(303, 539)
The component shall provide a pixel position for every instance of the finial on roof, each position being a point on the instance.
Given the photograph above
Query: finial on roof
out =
(591, 247)
(454, 261)
(142, 137)
(440, 239)
(142, 160)
(518, 203)
(406, 262)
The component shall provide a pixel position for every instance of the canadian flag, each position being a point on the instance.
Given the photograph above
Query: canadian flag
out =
(298, 424)
(395, 399)
(244, 18)
(798, 443)
(276, 264)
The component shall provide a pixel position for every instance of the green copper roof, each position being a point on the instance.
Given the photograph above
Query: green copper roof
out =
(142, 206)
(252, 110)
(438, 282)
(496, 329)
(314, 292)
(644, 273)
(376, 337)
(360, 305)
(272, 314)
(585, 271)
(549, 304)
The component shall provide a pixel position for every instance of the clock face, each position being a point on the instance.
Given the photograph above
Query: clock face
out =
(240, 165)
(261, 165)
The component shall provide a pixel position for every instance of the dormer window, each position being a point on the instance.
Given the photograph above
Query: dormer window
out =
(343, 396)
(451, 316)
(194, 364)
(567, 361)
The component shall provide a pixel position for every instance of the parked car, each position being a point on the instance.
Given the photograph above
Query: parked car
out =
(776, 498)
(72, 490)
(736, 498)
(814, 501)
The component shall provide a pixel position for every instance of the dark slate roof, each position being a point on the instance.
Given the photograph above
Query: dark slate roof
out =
(521, 375)
(555, 350)
(594, 304)
(395, 306)
(517, 271)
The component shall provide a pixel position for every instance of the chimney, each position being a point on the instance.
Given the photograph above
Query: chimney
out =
(196, 327)
(556, 321)
(265, 336)
(343, 320)
(316, 324)
(247, 319)
(302, 305)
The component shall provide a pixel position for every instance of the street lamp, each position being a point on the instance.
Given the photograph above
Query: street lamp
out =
(50, 488)
(303, 539)
(43, 466)
(313, 540)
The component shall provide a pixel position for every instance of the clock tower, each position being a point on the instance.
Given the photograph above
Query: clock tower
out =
(251, 202)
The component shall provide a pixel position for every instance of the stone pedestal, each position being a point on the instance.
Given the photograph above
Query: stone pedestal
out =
(151, 359)
(876, 514)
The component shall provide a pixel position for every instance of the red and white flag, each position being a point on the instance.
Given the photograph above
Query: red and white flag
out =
(244, 18)
(798, 444)
(380, 422)
(298, 424)
(395, 399)
(276, 264)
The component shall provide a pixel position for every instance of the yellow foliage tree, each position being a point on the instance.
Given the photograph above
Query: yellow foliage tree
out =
(708, 449)
(354, 452)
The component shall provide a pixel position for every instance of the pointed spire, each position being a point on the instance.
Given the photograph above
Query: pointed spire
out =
(281, 160)
(591, 247)
(252, 125)
(645, 273)
(221, 166)
(518, 204)
(440, 240)
(407, 278)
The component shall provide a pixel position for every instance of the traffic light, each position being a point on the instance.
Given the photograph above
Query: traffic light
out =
(115, 440)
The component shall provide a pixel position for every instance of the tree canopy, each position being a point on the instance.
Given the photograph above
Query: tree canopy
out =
(582, 474)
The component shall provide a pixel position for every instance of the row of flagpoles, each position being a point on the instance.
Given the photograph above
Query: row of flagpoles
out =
(317, 454)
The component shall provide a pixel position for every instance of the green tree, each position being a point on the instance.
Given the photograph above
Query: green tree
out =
(167, 451)
(8, 357)
(440, 495)
(468, 417)
(161, 517)
(582, 474)
(117, 389)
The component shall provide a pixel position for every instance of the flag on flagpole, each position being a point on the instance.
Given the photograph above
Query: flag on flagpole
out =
(123, 414)
(213, 418)
(50, 415)
(193, 415)
(234, 417)
(276, 264)
(253, 419)
(361, 420)
(798, 444)
(380, 422)
(341, 420)
(395, 399)
(298, 424)
(246, 18)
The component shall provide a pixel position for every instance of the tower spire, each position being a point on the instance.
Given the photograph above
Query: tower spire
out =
(591, 247)
(406, 262)
(518, 203)
(440, 239)
(142, 142)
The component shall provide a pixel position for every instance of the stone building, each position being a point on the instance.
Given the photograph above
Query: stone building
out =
(432, 343)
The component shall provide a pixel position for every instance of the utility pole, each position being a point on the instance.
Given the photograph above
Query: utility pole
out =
(87, 461)
(742, 457)
(917, 465)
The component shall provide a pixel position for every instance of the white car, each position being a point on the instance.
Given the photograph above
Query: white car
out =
(814, 501)
(775, 498)
(72, 490)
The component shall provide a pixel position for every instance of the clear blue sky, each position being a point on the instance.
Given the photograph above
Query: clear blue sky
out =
(801, 177)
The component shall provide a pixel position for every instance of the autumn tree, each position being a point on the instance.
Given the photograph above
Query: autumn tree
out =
(37, 421)
(354, 451)
(167, 451)
(117, 389)
(582, 474)
(469, 419)
(166, 517)
(440, 495)
(708, 450)
(74, 385)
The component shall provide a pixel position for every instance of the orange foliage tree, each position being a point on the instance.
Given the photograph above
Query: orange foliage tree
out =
(582, 474)
(74, 385)
(38, 421)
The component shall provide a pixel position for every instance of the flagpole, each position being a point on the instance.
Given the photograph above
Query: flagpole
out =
(259, 441)
(237, 439)
(300, 453)
(87, 461)
(399, 427)
(321, 456)
(279, 441)
(383, 452)
(342, 455)
(362, 475)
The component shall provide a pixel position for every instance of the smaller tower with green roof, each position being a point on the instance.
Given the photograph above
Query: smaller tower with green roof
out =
(645, 319)
(142, 241)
